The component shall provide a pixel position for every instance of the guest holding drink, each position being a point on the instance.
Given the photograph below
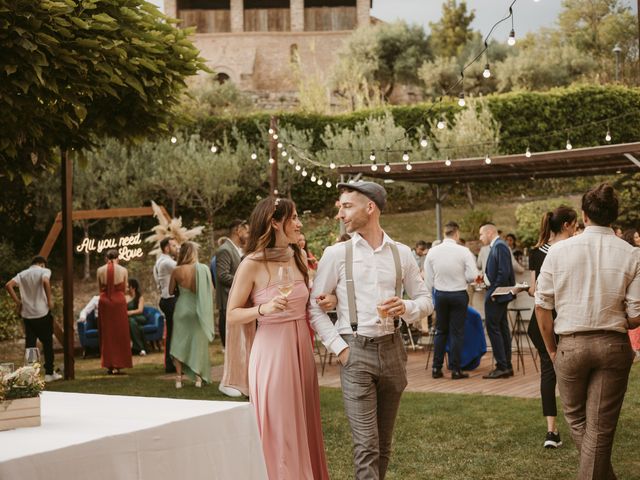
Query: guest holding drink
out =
(135, 309)
(113, 322)
(555, 227)
(192, 318)
(271, 285)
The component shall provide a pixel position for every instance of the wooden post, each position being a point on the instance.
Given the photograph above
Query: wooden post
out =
(67, 279)
(273, 154)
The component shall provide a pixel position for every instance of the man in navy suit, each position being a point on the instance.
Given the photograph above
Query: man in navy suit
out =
(499, 272)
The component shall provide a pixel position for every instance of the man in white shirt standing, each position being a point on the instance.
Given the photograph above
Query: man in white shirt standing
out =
(165, 264)
(593, 282)
(365, 337)
(34, 306)
(449, 268)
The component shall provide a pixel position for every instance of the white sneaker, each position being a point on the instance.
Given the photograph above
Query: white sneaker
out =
(142, 353)
(53, 377)
(229, 391)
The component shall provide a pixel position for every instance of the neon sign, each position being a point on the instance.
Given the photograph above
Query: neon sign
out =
(127, 246)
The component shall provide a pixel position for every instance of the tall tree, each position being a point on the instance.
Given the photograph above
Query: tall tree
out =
(451, 33)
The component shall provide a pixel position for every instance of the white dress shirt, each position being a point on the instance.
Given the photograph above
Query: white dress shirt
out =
(374, 275)
(90, 307)
(162, 274)
(593, 282)
(32, 294)
(449, 267)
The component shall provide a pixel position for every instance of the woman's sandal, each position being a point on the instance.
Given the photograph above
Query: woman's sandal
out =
(198, 382)
(178, 381)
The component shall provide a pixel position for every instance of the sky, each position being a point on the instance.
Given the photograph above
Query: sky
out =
(529, 15)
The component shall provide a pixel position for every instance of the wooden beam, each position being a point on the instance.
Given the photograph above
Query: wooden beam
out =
(67, 278)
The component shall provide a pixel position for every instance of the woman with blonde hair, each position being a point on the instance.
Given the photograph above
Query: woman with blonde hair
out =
(282, 377)
(192, 318)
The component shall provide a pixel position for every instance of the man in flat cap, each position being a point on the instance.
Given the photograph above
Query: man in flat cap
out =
(368, 275)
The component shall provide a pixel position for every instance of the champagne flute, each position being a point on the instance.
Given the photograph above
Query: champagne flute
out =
(31, 356)
(382, 310)
(285, 281)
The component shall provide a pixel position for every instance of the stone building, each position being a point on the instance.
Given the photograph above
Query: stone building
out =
(260, 44)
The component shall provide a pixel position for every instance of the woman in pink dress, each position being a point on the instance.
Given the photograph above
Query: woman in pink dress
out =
(282, 377)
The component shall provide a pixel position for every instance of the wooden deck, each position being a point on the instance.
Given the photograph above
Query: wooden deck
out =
(525, 385)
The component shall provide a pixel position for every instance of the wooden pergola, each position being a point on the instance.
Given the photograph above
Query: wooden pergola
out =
(602, 160)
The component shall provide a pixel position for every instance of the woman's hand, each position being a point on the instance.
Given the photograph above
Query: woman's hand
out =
(276, 305)
(327, 301)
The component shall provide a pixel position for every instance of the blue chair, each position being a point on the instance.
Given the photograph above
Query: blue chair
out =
(90, 336)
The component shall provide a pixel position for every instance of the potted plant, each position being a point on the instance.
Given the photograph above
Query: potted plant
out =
(20, 397)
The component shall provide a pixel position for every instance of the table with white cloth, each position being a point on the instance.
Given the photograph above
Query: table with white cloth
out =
(96, 437)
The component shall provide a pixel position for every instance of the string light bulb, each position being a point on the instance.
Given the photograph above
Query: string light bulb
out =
(424, 142)
(291, 161)
(254, 156)
(447, 162)
(328, 184)
(568, 146)
(527, 153)
(487, 159)
(408, 166)
(313, 177)
(280, 145)
(304, 173)
(271, 131)
(511, 41)
(320, 181)
(214, 149)
(486, 73)
(275, 136)
(405, 156)
(372, 157)
(607, 137)
(374, 167)
(284, 153)
(272, 161)
(174, 140)
(275, 191)
(387, 167)
(461, 101)
(332, 165)
(298, 167)
(441, 124)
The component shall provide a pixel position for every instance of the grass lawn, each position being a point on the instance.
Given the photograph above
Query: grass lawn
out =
(437, 436)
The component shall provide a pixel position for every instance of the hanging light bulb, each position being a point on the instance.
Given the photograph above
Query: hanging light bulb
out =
(387, 167)
(372, 157)
(313, 177)
(568, 146)
(332, 165)
(405, 156)
(272, 161)
(511, 41)
(441, 124)
(408, 166)
(461, 100)
(424, 142)
(487, 159)
(374, 167)
(291, 161)
(214, 149)
(304, 173)
(328, 184)
(284, 153)
(275, 136)
(298, 167)
(447, 162)
(527, 153)
(275, 191)
(486, 73)
(320, 182)
(254, 156)
(607, 137)
(280, 145)
(271, 131)
(174, 139)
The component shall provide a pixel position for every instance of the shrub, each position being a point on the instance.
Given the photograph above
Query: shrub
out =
(529, 215)
(472, 221)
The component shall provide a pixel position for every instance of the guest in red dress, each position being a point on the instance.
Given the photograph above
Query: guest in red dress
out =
(113, 322)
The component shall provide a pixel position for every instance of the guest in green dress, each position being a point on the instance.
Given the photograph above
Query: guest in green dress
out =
(193, 317)
(135, 309)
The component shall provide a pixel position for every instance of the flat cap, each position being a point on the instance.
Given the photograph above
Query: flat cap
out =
(373, 191)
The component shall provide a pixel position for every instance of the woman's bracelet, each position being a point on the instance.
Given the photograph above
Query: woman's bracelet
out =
(259, 314)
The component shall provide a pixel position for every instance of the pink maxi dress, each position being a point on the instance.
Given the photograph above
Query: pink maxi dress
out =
(283, 386)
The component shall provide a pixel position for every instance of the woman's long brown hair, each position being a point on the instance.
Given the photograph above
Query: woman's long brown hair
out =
(552, 222)
(263, 236)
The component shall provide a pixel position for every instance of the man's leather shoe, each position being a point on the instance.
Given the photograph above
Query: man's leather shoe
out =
(437, 373)
(497, 373)
(510, 370)
(458, 374)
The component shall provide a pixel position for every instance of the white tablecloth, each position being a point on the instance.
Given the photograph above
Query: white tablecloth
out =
(95, 437)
